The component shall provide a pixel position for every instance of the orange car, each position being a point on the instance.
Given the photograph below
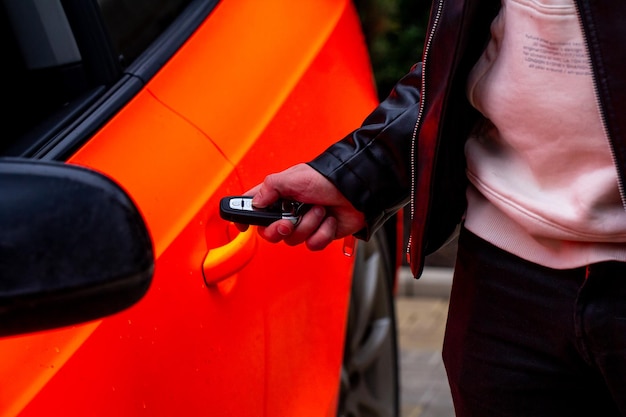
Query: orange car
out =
(122, 291)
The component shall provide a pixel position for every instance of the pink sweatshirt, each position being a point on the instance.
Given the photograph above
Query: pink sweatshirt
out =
(543, 182)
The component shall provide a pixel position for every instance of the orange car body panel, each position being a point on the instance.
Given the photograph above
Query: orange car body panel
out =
(265, 335)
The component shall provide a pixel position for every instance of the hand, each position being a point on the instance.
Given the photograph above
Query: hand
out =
(331, 217)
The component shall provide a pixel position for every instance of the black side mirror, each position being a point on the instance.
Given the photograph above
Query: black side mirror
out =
(73, 246)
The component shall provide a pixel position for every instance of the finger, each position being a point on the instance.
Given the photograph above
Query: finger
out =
(309, 224)
(253, 191)
(324, 235)
(277, 231)
(265, 194)
(241, 227)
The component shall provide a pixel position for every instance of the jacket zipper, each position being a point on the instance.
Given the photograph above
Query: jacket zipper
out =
(605, 129)
(418, 122)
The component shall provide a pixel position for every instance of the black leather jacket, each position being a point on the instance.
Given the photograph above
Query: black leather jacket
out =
(410, 148)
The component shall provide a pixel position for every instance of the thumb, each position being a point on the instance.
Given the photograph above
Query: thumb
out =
(264, 195)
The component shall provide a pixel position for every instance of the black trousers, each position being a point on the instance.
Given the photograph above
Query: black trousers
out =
(525, 340)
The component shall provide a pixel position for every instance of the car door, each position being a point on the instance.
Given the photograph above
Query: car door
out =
(222, 95)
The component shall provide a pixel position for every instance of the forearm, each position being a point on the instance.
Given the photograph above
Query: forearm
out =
(371, 166)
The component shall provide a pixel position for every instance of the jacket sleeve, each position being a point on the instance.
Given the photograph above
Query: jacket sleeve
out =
(371, 166)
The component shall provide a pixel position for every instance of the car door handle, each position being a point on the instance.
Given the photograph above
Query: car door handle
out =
(225, 261)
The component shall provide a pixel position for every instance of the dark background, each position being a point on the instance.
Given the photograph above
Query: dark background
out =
(394, 32)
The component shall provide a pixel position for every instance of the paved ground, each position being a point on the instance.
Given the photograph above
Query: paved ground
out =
(421, 313)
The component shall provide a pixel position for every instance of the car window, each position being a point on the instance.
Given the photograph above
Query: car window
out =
(60, 57)
(134, 24)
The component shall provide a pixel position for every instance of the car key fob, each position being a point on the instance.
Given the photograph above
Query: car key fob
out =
(239, 209)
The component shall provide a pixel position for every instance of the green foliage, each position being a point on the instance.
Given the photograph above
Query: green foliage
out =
(394, 31)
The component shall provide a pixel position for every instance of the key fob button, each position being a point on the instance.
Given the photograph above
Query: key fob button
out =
(236, 203)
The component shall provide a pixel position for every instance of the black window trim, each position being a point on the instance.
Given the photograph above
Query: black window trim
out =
(62, 145)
